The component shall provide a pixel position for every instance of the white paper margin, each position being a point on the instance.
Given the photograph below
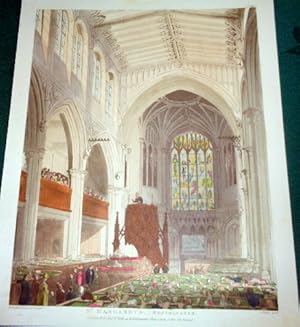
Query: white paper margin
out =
(282, 247)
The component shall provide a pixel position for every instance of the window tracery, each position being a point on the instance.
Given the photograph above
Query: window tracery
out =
(77, 51)
(61, 23)
(97, 76)
(192, 172)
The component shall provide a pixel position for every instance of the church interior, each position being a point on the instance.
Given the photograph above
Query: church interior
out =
(144, 175)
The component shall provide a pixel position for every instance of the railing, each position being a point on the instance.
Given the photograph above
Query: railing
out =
(95, 208)
(22, 190)
(55, 195)
(58, 196)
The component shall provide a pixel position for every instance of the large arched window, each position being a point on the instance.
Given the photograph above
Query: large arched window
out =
(97, 76)
(61, 23)
(77, 51)
(192, 172)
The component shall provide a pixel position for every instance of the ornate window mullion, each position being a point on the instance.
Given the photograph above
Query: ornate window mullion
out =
(74, 53)
(206, 192)
(179, 177)
(188, 174)
(197, 177)
(192, 172)
(79, 47)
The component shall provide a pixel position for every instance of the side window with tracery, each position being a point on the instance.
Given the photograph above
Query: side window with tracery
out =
(77, 50)
(61, 23)
(97, 76)
(192, 177)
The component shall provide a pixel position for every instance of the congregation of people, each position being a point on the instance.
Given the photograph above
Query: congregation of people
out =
(35, 289)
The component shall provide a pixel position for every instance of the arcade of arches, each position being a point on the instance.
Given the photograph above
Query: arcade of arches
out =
(172, 112)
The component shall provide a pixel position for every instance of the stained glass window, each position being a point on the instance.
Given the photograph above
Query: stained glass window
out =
(192, 172)
(97, 76)
(77, 52)
(61, 23)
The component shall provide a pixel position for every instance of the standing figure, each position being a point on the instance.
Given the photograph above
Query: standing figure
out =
(80, 276)
(60, 293)
(73, 284)
(25, 297)
(35, 288)
(43, 294)
(90, 276)
(80, 279)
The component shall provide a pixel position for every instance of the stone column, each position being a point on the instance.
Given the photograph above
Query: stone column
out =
(253, 182)
(249, 230)
(34, 166)
(103, 240)
(217, 175)
(111, 217)
(263, 200)
(242, 205)
(75, 223)
(141, 176)
(164, 179)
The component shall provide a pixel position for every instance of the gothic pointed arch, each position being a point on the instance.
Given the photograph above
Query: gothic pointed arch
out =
(203, 87)
(36, 117)
(75, 131)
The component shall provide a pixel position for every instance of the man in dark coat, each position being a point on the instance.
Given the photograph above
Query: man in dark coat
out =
(60, 293)
(25, 297)
(252, 298)
(70, 294)
(90, 276)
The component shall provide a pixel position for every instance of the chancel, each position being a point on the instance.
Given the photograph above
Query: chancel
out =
(145, 151)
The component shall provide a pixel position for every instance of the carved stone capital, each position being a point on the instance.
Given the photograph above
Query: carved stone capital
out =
(35, 153)
(74, 172)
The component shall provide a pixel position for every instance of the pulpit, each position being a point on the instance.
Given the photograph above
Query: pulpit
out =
(143, 231)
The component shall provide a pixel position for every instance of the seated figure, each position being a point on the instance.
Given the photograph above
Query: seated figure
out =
(87, 294)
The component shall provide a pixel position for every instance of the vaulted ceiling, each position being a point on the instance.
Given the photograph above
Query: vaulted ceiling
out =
(182, 111)
(145, 38)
